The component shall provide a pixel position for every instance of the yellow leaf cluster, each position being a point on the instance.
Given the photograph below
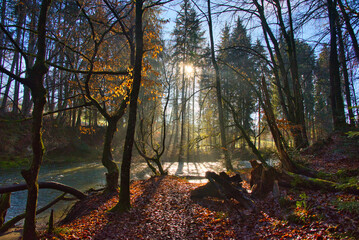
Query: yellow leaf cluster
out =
(85, 130)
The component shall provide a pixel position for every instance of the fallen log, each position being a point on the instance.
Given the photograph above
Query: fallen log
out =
(231, 191)
(303, 182)
(224, 187)
(50, 185)
(210, 189)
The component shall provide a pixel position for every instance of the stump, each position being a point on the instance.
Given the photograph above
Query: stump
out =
(262, 179)
(224, 187)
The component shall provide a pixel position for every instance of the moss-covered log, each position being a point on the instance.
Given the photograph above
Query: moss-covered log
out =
(304, 182)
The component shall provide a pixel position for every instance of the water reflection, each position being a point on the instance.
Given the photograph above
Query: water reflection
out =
(84, 176)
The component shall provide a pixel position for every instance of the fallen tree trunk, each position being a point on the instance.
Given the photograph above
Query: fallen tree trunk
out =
(210, 189)
(289, 179)
(223, 186)
(229, 190)
(265, 179)
(51, 185)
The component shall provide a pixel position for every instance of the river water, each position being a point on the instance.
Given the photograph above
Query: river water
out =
(84, 176)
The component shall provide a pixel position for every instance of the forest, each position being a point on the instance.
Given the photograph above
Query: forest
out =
(238, 118)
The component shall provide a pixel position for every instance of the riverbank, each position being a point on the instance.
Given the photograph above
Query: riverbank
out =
(12, 234)
(62, 143)
(162, 209)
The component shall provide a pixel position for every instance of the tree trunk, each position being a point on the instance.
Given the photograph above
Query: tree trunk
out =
(38, 92)
(343, 63)
(78, 120)
(4, 206)
(292, 104)
(124, 203)
(227, 160)
(9, 224)
(174, 135)
(107, 160)
(350, 29)
(335, 86)
(277, 136)
(8, 85)
(183, 119)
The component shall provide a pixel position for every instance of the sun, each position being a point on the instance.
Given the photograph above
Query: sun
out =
(188, 69)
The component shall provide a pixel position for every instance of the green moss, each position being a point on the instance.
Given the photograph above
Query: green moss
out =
(351, 185)
(13, 162)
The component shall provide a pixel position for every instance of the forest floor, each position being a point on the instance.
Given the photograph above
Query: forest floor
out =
(162, 209)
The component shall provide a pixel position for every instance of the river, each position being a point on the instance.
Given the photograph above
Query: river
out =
(83, 176)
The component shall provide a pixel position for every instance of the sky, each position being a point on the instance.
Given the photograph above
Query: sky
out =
(309, 32)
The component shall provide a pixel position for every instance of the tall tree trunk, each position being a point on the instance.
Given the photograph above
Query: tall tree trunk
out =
(8, 85)
(124, 203)
(78, 120)
(297, 119)
(183, 119)
(277, 136)
(227, 160)
(38, 92)
(335, 86)
(21, 19)
(350, 29)
(175, 126)
(15, 64)
(2, 40)
(343, 63)
(292, 104)
(27, 103)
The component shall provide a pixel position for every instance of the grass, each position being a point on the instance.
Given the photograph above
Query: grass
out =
(12, 162)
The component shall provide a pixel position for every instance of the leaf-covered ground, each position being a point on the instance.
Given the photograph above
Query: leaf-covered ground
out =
(162, 209)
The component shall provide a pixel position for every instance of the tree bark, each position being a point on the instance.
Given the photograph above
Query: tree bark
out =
(38, 92)
(343, 63)
(335, 85)
(183, 119)
(223, 186)
(4, 206)
(124, 203)
(49, 185)
(227, 160)
(350, 29)
(107, 160)
(291, 103)
(277, 136)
